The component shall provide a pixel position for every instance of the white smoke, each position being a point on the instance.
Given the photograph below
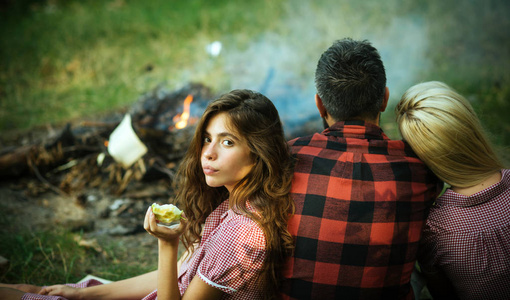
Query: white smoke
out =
(281, 63)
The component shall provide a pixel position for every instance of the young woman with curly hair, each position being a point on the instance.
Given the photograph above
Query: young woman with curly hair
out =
(233, 185)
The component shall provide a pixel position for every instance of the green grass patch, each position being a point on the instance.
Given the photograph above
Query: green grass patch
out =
(50, 257)
(42, 258)
(56, 255)
(61, 59)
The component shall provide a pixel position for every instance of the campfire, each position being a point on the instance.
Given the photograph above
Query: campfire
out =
(99, 176)
(181, 120)
(93, 153)
(143, 144)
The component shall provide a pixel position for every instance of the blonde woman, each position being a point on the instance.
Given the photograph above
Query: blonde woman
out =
(466, 242)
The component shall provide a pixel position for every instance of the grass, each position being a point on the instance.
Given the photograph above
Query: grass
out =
(54, 254)
(469, 52)
(49, 257)
(477, 64)
(63, 59)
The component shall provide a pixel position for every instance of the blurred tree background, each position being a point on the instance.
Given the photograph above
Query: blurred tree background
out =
(63, 60)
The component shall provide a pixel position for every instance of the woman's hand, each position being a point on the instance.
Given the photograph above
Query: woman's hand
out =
(163, 233)
(168, 242)
(61, 290)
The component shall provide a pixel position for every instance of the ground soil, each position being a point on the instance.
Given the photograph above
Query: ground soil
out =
(28, 203)
(98, 217)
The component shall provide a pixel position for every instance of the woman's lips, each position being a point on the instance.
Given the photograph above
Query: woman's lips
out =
(209, 170)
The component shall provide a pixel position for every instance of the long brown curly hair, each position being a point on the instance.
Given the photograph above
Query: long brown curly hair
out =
(266, 186)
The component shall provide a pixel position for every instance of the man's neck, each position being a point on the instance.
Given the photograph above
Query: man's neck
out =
(331, 121)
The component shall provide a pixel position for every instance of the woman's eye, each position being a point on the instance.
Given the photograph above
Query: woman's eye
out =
(207, 140)
(227, 143)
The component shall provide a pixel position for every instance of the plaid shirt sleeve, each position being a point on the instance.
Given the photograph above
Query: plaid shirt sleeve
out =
(361, 205)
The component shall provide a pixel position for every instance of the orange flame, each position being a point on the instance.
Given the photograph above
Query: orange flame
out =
(183, 118)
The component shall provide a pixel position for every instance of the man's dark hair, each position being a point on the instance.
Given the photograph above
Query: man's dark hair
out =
(351, 80)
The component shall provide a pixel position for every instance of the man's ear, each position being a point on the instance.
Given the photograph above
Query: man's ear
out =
(320, 106)
(385, 100)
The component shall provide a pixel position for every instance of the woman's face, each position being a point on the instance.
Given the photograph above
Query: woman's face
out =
(225, 157)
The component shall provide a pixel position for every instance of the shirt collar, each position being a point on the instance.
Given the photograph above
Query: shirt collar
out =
(455, 199)
(232, 212)
(356, 129)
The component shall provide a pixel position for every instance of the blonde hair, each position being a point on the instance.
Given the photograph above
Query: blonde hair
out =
(444, 131)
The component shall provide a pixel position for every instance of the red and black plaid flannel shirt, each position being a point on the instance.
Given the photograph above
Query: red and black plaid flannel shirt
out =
(361, 203)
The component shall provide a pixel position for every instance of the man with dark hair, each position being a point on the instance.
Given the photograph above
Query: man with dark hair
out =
(361, 198)
(351, 81)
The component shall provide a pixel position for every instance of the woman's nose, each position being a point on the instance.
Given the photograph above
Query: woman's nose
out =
(209, 152)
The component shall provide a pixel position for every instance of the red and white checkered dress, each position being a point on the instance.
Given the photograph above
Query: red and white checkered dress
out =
(229, 257)
(468, 238)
